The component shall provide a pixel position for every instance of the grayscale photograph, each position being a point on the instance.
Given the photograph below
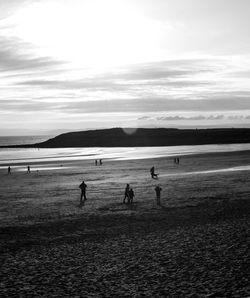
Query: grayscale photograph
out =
(124, 148)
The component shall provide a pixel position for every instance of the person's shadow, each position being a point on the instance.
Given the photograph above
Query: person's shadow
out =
(132, 206)
(81, 204)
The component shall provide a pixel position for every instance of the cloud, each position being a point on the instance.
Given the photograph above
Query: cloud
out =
(196, 117)
(158, 70)
(191, 85)
(9, 7)
(100, 84)
(208, 87)
(87, 84)
(146, 78)
(238, 117)
(69, 105)
(239, 74)
(181, 117)
(22, 106)
(154, 105)
(16, 55)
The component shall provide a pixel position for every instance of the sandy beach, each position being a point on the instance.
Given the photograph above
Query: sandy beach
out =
(51, 191)
(194, 245)
(102, 101)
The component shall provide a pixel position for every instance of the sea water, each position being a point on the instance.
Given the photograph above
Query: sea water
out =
(25, 156)
(23, 140)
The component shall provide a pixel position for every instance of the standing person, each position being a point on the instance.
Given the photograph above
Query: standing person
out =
(131, 195)
(126, 194)
(83, 187)
(100, 162)
(158, 194)
(152, 171)
(28, 169)
(96, 162)
(9, 170)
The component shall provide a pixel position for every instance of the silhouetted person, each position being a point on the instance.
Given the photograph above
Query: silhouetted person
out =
(96, 162)
(100, 162)
(131, 196)
(9, 170)
(158, 194)
(28, 169)
(126, 193)
(83, 187)
(152, 172)
(177, 160)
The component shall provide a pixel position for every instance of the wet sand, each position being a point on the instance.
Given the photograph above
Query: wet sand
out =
(52, 192)
(194, 245)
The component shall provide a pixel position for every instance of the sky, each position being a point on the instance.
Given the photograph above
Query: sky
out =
(70, 65)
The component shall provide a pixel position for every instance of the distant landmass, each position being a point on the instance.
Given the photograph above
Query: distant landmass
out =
(131, 137)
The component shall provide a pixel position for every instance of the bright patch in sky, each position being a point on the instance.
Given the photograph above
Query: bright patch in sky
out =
(83, 64)
(89, 33)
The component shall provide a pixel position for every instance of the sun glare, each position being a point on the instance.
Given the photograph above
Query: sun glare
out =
(89, 33)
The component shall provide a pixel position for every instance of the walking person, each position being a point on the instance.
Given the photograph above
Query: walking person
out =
(126, 194)
(28, 170)
(9, 170)
(158, 194)
(131, 196)
(83, 187)
(100, 162)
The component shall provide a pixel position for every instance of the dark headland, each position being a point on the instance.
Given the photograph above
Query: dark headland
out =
(118, 137)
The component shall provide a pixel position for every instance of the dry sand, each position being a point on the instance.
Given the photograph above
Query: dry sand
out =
(194, 245)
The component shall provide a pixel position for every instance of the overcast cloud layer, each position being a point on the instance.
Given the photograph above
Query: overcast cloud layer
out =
(196, 74)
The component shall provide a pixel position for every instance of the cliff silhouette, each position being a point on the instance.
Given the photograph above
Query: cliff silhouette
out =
(118, 137)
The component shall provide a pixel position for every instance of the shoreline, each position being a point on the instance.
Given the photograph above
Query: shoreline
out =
(84, 157)
(35, 146)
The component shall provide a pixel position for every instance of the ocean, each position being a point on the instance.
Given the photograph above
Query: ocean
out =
(22, 140)
(46, 156)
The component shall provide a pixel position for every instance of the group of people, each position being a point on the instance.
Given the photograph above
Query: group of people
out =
(176, 160)
(100, 162)
(28, 170)
(128, 194)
